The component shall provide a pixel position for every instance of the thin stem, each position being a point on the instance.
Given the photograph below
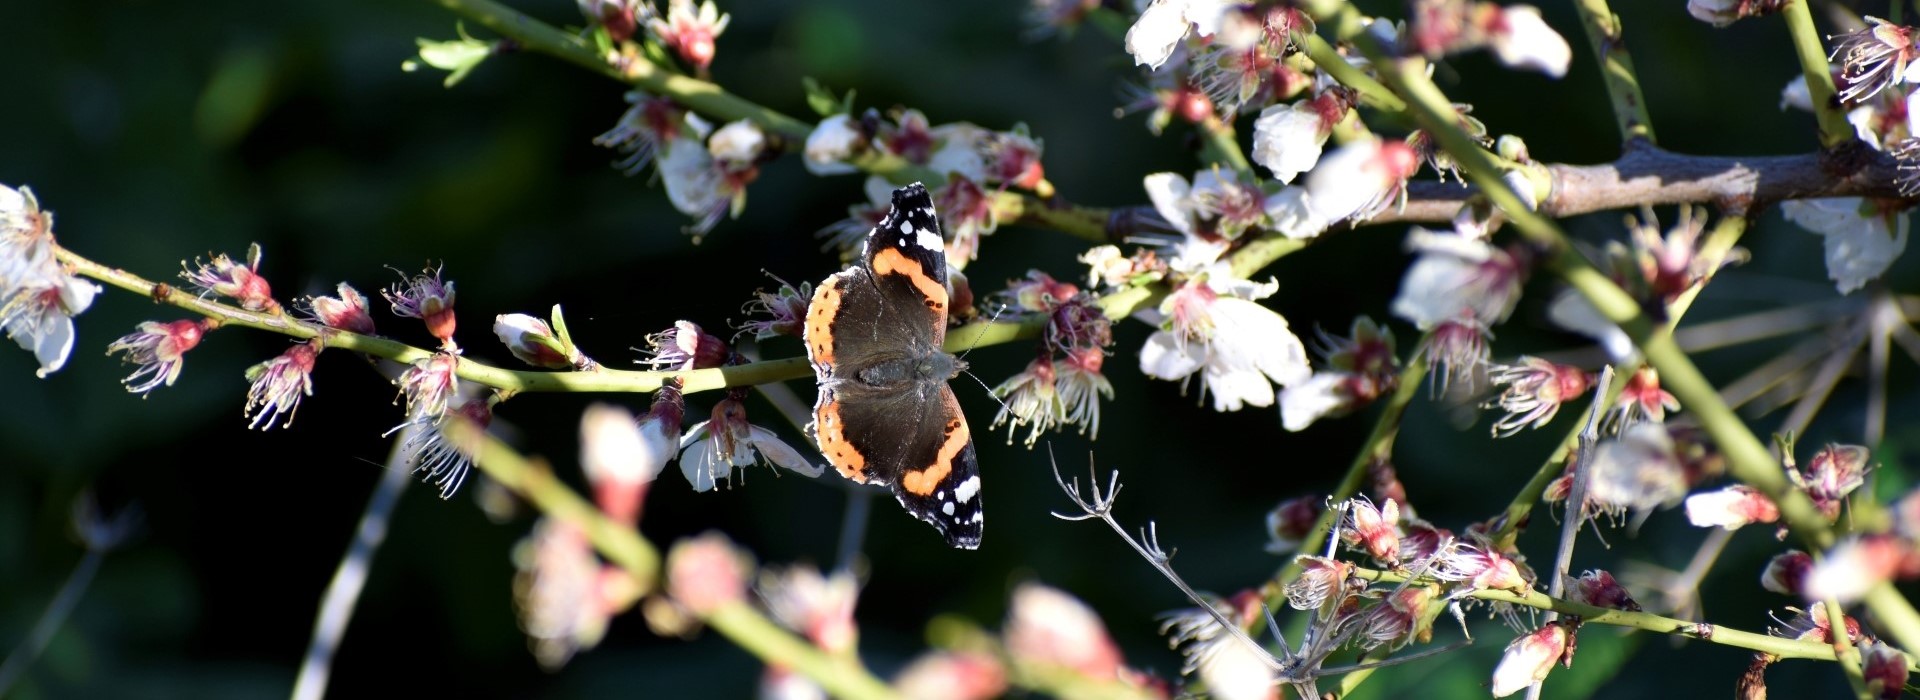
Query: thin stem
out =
(1616, 68)
(1688, 583)
(343, 591)
(1824, 381)
(1882, 315)
(1372, 93)
(50, 621)
(766, 640)
(1747, 457)
(1834, 129)
(1843, 650)
(534, 481)
(1588, 614)
(1377, 449)
(853, 527)
(1220, 146)
(624, 547)
(705, 97)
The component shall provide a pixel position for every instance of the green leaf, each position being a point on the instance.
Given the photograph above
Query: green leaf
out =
(820, 99)
(560, 329)
(458, 57)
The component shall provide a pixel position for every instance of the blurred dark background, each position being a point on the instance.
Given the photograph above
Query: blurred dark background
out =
(159, 133)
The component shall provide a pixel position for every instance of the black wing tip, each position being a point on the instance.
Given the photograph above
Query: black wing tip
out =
(912, 197)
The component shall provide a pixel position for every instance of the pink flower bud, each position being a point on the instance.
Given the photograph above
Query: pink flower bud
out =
(707, 572)
(426, 297)
(1833, 473)
(1786, 574)
(621, 457)
(953, 675)
(532, 341)
(818, 607)
(1857, 564)
(1049, 628)
(1731, 508)
(279, 384)
(227, 278)
(1885, 669)
(159, 352)
(1289, 523)
(348, 312)
(1375, 530)
(1597, 588)
(1528, 658)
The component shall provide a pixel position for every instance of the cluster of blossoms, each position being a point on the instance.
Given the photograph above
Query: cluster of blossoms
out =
(38, 296)
(971, 167)
(706, 170)
(1879, 84)
(1063, 385)
(1852, 567)
(564, 593)
(685, 29)
(1441, 571)
(1047, 634)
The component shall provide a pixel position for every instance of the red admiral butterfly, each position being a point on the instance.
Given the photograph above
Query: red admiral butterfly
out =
(875, 334)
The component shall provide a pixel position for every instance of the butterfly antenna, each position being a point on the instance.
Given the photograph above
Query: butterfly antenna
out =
(976, 342)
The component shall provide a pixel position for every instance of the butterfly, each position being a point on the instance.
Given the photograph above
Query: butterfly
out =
(875, 335)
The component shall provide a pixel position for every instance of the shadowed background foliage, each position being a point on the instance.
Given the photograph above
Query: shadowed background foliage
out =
(159, 134)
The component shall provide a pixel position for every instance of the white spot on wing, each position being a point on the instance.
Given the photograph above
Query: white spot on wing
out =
(930, 241)
(946, 508)
(906, 227)
(967, 489)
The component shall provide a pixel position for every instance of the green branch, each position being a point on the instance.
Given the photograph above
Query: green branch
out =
(713, 101)
(1834, 129)
(624, 547)
(1589, 614)
(1616, 70)
(1747, 457)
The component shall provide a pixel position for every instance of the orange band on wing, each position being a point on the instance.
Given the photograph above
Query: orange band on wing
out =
(923, 483)
(820, 313)
(831, 434)
(892, 262)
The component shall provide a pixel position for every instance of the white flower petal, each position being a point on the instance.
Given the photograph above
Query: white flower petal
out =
(1168, 191)
(1571, 310)
(1859, 246)
(831, 144)
(1287, 139)
(781, 454)
(693, 183)
(1306, 402)
(1235, 671)
(1160, 28)
(1530, 44)
(1292, 213)
(1166, 356)
(700, 465)
(739, 141)
(1244, 329)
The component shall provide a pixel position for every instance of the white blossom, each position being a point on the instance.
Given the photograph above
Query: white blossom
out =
(738, 142)
(836, 139)
(1525, 41)
(1308, 401)
(1287, 138)
(1860, 243)
(1456, 276)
